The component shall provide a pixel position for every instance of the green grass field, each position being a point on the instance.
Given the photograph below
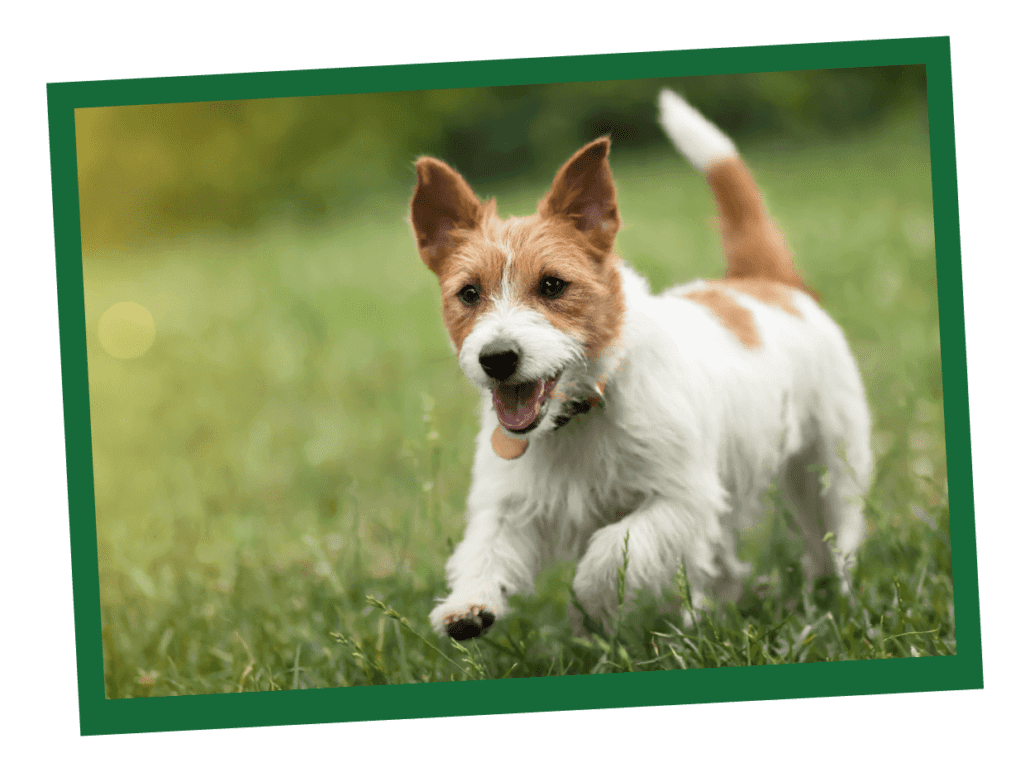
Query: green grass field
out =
(298, 440)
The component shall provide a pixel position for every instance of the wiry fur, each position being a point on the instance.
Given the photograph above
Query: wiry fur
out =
(695, 424)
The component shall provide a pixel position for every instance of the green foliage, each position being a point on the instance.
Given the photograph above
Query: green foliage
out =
(156, 171)
(281, 477)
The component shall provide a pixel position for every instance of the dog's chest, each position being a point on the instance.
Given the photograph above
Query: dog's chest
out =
(579, 479)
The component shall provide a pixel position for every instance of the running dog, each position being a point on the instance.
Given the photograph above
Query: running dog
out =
(621, 427)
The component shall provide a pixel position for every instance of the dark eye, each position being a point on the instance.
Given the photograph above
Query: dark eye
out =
(469, 294)
(552, 287)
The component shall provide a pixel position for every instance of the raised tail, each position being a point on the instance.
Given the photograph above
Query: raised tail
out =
(753, 244)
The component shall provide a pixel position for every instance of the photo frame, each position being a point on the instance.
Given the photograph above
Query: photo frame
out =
(100, 715)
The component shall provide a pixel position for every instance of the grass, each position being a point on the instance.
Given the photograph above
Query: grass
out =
(281, 477)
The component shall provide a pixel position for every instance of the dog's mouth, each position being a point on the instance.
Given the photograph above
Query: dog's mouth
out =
(520, 406)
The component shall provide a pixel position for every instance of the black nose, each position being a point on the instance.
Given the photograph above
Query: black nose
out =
(499, 364)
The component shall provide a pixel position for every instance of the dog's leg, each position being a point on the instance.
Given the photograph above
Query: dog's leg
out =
(826, 489)
(495, 560)
(663, 534)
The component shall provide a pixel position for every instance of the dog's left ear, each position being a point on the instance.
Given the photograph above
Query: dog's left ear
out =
(583, 192)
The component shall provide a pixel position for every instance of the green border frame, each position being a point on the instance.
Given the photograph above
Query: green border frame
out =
(98, 715)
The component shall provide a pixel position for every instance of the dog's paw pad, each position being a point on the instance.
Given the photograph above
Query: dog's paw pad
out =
(469, 626)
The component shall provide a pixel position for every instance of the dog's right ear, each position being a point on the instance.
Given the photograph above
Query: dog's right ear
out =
(443, 205)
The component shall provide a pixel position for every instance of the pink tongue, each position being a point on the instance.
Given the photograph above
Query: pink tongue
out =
(518, 406)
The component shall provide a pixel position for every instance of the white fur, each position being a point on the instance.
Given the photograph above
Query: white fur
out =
(545, 350)
(693, 134)
(694, 429)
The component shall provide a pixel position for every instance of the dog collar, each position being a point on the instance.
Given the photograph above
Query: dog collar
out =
(508, 447)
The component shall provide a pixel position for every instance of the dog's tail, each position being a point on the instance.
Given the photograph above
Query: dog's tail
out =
(754, 246)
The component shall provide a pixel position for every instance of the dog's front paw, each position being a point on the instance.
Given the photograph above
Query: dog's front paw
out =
(462, 621)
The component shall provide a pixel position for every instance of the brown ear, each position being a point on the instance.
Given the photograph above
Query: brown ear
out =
(584, 193)
(443, 203)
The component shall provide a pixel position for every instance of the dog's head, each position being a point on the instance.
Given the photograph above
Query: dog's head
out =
(532, 305)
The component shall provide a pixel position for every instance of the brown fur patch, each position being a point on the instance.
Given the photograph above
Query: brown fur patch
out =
(592, 306)
(764, 291)
(735, 317)
(473, 262)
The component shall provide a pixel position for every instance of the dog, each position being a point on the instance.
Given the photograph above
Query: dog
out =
(637, 433)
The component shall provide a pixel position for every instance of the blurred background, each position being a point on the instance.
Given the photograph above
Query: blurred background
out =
(156, 171)
(279, 428)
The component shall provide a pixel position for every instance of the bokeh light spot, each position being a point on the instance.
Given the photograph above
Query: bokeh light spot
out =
(126, 330)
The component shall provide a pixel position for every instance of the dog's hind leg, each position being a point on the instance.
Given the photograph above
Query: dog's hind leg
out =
(826, 485)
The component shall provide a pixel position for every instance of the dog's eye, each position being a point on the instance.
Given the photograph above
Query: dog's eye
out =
(552, 287)
(469, 294)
